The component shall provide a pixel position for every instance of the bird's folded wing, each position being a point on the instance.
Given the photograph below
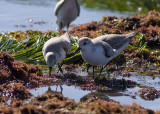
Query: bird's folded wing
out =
(109, 51)
(58, 6)
(114, 40)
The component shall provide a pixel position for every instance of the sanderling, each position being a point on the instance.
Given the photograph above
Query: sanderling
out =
(66, 11)
(101, 50)
(55, 50)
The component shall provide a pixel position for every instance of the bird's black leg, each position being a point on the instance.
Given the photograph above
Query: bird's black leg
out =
(56, 87)
(93, 72)
(60, 28)
(49, 89)
(69, 55)
(100, 72)
(50, 70)
(88, 66)
(73, 53)
(105, 66)
(68, 26)
(60, 67)
(61, 88)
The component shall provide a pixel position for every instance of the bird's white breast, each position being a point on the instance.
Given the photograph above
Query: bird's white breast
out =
(94, 56)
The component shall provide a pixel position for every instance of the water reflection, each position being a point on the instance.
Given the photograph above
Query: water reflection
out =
(68, 91)
(55, 91)
(103, 94)
(127, 96)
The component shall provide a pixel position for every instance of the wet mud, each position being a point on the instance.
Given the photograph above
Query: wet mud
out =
(20, 78)
(56, 103)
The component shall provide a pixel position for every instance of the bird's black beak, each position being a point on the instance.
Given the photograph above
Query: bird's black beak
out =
(76, 51)
(72, 54)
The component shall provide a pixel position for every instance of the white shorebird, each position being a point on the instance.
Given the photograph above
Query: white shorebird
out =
(101, 50)
(66, 11)
(55, 50)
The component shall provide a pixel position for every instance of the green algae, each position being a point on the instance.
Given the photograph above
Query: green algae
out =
(29, 48)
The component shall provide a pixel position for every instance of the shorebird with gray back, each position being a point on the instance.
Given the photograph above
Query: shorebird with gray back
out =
(55, 50)
(66, 12)
(101, 50)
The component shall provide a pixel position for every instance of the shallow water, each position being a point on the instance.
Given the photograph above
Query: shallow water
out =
(37, 14)
(128, 97)
(68, 91)
(124, 96)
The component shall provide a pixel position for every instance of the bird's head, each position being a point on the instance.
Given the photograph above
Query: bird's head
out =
(84, 43)
(50, 59)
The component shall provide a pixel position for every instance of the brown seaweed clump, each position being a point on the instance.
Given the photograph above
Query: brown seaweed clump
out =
(103, 107)
(5, 58)
(148, 24)
(70, 67)
(6, 110)
(56, 103)
(140, 57)
(5, 73)
(16, 70)
(15, 90)
(51, 103)
(16, 77)
(5, 65)
(32, 110)
(20, 70)
(149, 93)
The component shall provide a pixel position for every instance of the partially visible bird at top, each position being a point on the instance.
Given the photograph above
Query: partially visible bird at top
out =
(55, 50)
(66, 12)
(101, 50)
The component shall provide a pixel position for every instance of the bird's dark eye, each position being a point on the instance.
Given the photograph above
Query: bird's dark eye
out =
(84, 43)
